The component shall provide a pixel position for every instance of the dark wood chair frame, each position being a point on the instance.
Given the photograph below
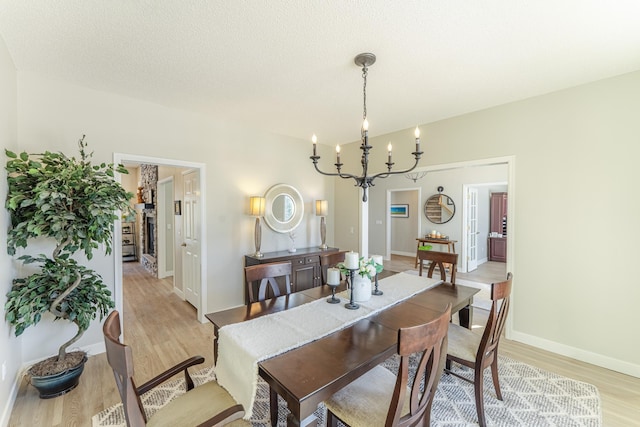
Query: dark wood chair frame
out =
(330, 260)
(439, 259)
(487, 354)
(120, 358)
(429, 341)
(267, 274)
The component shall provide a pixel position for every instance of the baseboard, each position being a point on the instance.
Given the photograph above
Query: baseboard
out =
(410, 254)
(13, 394)
(578, 354)
(179, 293)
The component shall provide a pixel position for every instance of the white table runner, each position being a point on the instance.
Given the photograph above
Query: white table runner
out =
(242, 345)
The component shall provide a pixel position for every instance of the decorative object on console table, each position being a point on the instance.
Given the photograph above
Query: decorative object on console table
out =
(256, 209)
(322, 210)
(365, 181)
(306, 271)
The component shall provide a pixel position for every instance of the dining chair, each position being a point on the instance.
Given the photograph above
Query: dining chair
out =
(208, 404)
(330, 259)
(267, 275)
(442, 260)
(382, 398)
(481, 352)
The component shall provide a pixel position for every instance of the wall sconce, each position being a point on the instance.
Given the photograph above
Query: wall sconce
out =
(322, 210)
(256, 208)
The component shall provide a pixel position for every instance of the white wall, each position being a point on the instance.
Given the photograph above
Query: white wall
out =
(574, 277)
(240, 162)
(10, 348)
(403, 230)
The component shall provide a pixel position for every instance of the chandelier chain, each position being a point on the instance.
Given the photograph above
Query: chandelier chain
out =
(364, 92)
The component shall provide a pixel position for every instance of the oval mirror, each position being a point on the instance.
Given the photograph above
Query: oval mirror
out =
(284, 208)
(439, 208)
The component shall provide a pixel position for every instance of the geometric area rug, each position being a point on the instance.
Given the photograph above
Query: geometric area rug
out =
(532, 397)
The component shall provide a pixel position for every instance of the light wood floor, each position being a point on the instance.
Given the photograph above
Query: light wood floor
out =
(163, 330)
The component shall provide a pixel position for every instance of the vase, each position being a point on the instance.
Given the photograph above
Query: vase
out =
(361, 288)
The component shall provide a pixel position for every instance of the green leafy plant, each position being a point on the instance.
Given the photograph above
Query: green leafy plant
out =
(74, 203)
(367, 267)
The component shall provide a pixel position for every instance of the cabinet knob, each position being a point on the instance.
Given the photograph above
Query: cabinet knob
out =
(184, 245)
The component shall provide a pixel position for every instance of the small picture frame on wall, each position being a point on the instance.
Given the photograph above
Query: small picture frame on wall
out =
(177, 207)
(399, 211)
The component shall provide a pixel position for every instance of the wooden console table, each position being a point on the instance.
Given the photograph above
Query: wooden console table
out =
(305, 265)
(451, 245)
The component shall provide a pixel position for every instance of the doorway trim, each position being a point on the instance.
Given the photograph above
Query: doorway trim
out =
(132, 159)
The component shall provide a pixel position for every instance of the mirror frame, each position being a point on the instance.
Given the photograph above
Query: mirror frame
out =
(438, 195)
(274, 223)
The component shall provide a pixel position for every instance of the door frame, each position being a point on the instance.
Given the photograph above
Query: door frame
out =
(133, 159)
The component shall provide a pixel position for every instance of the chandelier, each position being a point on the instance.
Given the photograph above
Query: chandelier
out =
(365, 180)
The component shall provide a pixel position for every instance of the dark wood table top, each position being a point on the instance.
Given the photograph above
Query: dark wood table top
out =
(309, 374)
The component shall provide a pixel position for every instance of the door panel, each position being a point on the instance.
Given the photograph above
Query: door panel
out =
(191, 245)
(472, 229)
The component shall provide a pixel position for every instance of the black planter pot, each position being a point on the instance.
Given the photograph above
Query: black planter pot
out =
(56, 385)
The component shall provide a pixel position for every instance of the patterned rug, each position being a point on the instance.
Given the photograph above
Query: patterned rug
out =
(532, 397)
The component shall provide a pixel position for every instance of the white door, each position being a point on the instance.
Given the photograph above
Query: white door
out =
(191, 279)
(472, 229)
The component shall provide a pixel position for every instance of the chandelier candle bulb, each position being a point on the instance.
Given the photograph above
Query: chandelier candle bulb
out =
(337, 153)
(351, 260)
(314, 139)
(417, 133)
(389, 149)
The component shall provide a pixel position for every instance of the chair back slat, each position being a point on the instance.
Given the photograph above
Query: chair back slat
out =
(267, 275)
(428, 342)
(120, 359)
(439, 259)
(500, 296)
(330, 260)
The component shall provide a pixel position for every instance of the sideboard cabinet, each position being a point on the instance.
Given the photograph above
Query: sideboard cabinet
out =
(305, 267)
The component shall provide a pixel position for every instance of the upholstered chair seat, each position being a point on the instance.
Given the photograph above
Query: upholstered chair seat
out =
(196, 407)
(365, 402)
(463, 343)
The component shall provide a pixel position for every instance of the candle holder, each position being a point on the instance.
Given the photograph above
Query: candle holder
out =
(333, 299)
(376, 291)
(352, 305)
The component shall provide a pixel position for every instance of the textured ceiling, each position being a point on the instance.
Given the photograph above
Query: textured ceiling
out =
(287, 66)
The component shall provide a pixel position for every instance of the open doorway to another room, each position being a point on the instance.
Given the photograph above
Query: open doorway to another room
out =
(403, 221)
(158, 221)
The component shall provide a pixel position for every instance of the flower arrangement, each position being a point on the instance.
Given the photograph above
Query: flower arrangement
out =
(366, 268)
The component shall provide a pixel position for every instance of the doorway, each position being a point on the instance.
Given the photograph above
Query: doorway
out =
(404, 226)
(200, 168)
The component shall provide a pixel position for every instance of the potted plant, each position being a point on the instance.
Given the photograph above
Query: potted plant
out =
(73, 203)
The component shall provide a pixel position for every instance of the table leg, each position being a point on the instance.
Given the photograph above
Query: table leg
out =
(273, 406)
(215, 345)
(466, 316)
(292, 421)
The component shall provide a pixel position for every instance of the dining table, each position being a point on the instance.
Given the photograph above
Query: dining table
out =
(307, 374)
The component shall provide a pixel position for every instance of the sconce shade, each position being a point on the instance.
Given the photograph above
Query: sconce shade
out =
(322, 208)
(256, 206)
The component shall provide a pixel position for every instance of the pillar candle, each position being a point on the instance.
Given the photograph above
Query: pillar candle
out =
(333, 276)
(351, 260)
(377, 259)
